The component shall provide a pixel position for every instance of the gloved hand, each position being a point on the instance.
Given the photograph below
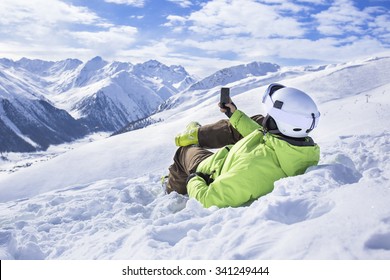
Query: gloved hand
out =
(205, 177)
(228, 108)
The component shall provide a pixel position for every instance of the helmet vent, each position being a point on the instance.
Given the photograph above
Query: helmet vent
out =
(297, 129)
(278, 104)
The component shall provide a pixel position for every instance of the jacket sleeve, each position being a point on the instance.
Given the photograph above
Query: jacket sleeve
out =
(233, 188)
(244, 124)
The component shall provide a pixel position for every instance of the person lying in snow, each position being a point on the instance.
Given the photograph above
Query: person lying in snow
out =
(255, 152)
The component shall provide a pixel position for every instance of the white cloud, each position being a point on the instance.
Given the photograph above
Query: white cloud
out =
(343, 17)
(152, 50)
(40, 20)
(118, 37)
(135, 3)
(176, 23)
(326, 49)
(55, 29)
(315, 2)
(245, 17)
(182, 3)
(249, 30)
(175, 20)
(381, 27)
(39, 28)
(137, 17)
(44, 12)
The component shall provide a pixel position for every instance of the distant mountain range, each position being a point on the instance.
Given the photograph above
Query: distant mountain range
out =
(45, 102)
(235, 73)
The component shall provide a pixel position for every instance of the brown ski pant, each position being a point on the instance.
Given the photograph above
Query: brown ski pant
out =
(187, 159)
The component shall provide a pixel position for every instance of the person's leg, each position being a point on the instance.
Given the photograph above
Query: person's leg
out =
(185, 162)
(221, 133)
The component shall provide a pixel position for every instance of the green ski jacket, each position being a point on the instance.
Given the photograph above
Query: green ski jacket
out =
(248, 169)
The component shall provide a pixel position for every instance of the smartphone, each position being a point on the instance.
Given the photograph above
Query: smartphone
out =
(225, 96)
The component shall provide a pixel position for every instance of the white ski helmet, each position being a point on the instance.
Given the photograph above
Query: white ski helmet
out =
(293, 111)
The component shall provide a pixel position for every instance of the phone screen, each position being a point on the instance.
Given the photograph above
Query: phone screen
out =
(225, 96)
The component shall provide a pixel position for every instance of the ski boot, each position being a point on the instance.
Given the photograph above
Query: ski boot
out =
(189, 136)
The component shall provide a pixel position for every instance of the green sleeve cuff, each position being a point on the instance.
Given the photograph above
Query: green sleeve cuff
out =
(244, 124)
(234, 119)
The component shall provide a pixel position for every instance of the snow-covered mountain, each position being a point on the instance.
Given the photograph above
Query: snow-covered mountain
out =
(103, 200)
(235, 73)
(109, 96)
(106, 96)
(166, 81)
(100, 96)
(28, 120)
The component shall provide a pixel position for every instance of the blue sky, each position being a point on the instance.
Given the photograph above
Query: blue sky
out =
(203, 36)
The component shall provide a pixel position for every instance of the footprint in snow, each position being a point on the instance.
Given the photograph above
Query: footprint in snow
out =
(379, 241)
(290, 211)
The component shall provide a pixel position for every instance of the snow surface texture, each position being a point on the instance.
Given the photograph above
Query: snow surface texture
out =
(103, 200)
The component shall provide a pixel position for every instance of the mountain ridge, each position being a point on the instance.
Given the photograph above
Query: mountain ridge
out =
(105, 96)
(96, 95)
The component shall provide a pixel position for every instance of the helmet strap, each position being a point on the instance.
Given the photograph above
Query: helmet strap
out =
(313, 124)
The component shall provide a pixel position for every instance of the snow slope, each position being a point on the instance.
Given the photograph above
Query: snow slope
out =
(104, 200)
